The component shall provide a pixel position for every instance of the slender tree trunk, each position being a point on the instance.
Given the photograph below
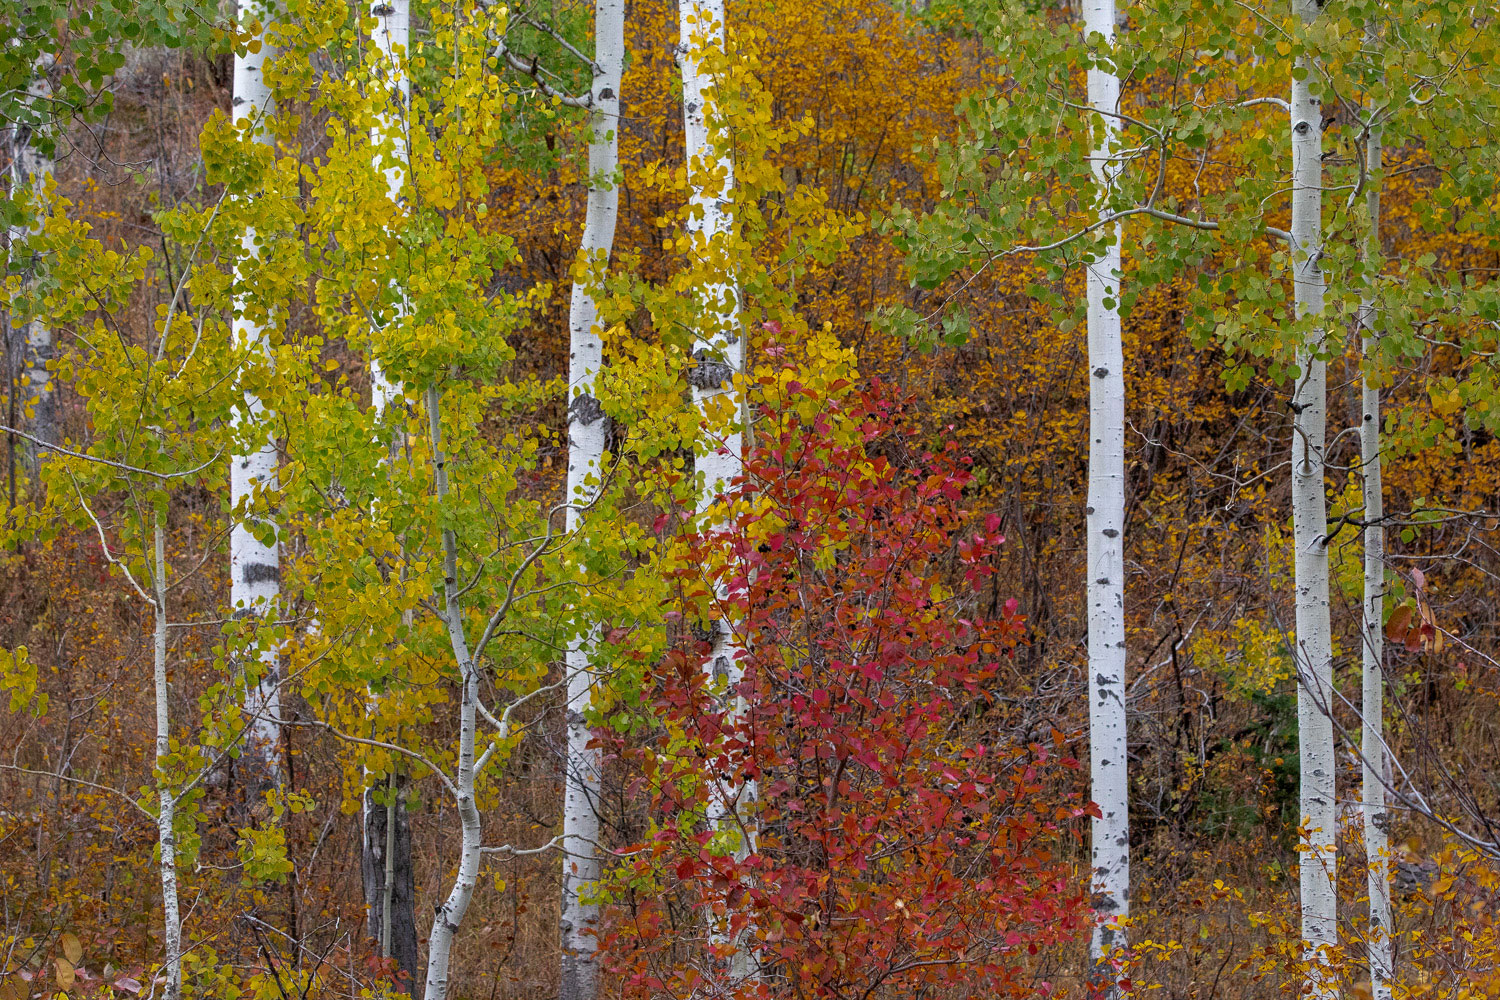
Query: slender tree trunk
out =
(586, 432)
(1108, 746)
(719, 357)
(1314, 647)
(386, 864)
(1376, 819)
(254, 566)
(166, 800)
(449, 916)
(30, 171)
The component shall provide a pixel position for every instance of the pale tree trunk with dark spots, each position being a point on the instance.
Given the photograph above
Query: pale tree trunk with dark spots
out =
(385, 858)
(166, 800)
(1105, 584)
(30, 173)
(254, 562)
(1314, 644)
(448, 916)
(1372, 703)
(391, 38)
(719, 359)
(587, 426)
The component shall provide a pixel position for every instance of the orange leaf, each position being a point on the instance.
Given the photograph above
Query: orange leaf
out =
(1396, 625)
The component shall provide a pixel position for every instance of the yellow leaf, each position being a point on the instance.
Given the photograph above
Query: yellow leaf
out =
(72, 948)
(65, 973)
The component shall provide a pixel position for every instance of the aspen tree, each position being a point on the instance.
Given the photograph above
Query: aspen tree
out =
(166, 800)
(1023, 124)
(391, 39)
(254, 560)
(1313, 645)
(718, 361)
(1105, 582)
(1376, 819)
(587, 427)
(170, 791)
(31, 169)
(435, 575)
(469, 559)
(385, 857)
(449, 915)
(156, 419)
(718, 349)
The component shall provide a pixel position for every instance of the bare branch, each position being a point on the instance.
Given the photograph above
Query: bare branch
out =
(521, 851)
(79, 781)
(164, 476)
(533, 70)
(104, 544)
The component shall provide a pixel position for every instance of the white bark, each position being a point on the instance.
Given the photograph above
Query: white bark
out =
(719, 357)
(391, 38)
(586, 431)
(30, 171)
(1314, 647)
(1375, 771)
(449, 916)
(1108, 749)
(718, 349)
(166, 800)
(254, 567)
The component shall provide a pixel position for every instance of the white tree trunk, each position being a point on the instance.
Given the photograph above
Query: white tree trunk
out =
(719, 357)
(30, 170)
(1314, 647)
(718, 349)
(392, 39)
(450, 915)
(166, 800)
(586, 431)
(254, 567)
(1376, 819)
(1108, 748)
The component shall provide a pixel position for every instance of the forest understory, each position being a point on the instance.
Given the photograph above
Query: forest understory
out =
(850, 499)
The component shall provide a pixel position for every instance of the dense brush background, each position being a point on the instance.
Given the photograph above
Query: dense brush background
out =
(1214, 766)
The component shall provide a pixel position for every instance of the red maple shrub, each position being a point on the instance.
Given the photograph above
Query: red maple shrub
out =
(895, 842)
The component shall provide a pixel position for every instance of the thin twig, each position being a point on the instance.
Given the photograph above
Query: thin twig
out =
(104, 461)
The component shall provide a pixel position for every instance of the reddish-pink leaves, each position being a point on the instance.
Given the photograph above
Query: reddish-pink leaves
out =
(902, 838)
